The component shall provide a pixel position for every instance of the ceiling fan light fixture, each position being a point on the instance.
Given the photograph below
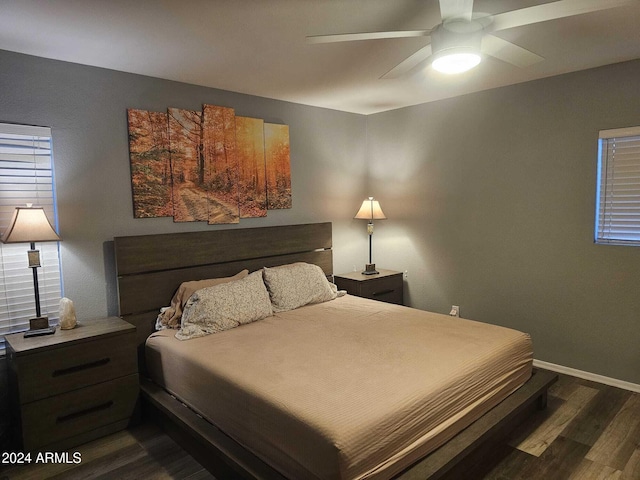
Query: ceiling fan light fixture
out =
(456, 60)
(456, 46)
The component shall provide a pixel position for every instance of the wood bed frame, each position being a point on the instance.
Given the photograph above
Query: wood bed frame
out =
(151, 267)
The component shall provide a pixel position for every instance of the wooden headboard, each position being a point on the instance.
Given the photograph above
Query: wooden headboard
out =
(150, 268)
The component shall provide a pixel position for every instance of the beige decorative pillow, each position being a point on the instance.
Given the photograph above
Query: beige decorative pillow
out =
(297, 284)
(170, 317)
(228, 305)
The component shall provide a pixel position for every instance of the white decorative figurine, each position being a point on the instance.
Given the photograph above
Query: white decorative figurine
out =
(67, 314)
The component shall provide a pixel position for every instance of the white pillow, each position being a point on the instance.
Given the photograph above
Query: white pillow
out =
(297, 284)
(228, 305)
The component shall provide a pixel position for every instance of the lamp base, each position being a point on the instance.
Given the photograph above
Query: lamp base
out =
(38, 323)
(40, 332)
(370, 269)
(39, 326)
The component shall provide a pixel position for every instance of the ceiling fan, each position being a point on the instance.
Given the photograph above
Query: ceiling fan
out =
(457, 43)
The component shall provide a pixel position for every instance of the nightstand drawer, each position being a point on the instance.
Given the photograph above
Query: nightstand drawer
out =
(386, 289)
(57, 370)
(386, 285)
(48, 421)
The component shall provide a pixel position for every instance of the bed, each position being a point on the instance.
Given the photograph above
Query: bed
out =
(286, 397)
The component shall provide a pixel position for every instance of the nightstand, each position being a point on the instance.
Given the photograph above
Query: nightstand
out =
(386, 286)
(73, 386)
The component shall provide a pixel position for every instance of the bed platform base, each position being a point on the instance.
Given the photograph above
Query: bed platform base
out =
(227, 459)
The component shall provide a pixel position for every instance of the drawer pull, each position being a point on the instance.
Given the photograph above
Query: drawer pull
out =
(86, 411)
(79, 368)
(383, 292)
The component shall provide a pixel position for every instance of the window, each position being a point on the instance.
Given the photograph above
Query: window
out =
(618, 195)
(26, 176)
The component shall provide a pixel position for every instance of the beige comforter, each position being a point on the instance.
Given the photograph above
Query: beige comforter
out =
(346, 389)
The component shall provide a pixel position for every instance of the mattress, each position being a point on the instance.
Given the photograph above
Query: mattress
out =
(348, 389)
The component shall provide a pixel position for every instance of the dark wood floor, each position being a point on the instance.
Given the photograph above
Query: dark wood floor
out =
(589, 431)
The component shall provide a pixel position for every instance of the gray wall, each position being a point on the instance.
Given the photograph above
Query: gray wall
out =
(490, 199)
(86, 109)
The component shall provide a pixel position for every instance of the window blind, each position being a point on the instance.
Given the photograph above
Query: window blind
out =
(26, 176)
(618, 197)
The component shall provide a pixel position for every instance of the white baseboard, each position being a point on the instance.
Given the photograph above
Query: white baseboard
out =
(594, 377)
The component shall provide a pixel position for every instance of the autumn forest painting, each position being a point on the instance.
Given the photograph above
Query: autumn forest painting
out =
(150, 164)
(278, 166)
(207, 165)
(253, 186)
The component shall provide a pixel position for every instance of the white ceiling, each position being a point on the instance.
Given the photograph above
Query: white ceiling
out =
(258, 47)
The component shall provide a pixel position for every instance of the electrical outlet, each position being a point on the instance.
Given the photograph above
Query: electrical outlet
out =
(406, 274)
(455, 311)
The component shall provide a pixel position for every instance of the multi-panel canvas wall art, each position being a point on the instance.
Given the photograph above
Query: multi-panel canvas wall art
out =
(150, 164)
(221, 161)
(278, 166)
(187, 166)
(207, 165)
(253, 186)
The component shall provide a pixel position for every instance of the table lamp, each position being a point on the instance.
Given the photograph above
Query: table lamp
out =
(30, 225)
(370, 210)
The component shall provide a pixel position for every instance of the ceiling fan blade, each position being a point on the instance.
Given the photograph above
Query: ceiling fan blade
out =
(351, 37)
(408, 63)
(552, 11)
(456, 9)
(508, 52)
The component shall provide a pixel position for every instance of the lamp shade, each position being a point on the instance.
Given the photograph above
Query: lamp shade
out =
(29, 224)
(370, 210)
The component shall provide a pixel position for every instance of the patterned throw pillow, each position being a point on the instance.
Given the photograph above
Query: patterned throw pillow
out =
(297, 284)
(221, 307)
(170, 317)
